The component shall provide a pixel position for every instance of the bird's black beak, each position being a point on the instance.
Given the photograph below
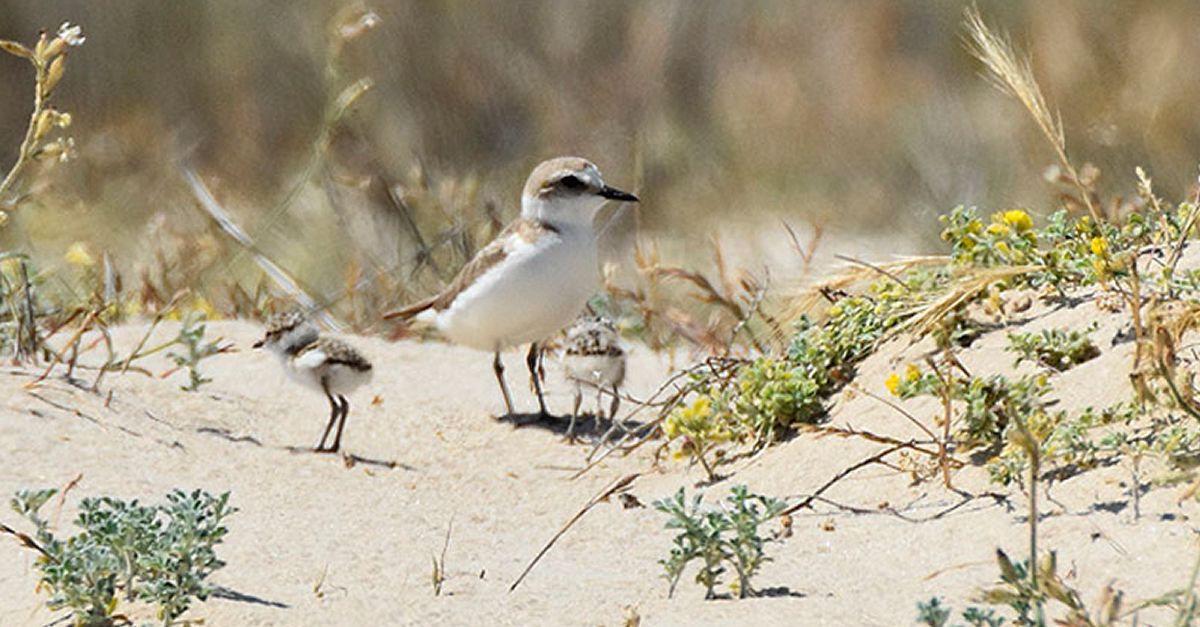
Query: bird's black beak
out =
(258, 344)
(613, 193)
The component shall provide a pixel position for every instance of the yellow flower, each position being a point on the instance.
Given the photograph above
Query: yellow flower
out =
(130, 308)
(1099, 245)
(893, 384)
(975, 227)
(78, 255)
(912, 373)
(1018, 220)
(671, 427)
(997, 228)
(201, 304)
(10, 264)
(1003, 247)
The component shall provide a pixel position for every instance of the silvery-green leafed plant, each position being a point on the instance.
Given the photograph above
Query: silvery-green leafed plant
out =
(727, 537)
(1057, 349)
(158, 554)
(191, 338)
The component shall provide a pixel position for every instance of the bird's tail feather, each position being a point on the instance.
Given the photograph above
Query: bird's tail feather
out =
(406, 314)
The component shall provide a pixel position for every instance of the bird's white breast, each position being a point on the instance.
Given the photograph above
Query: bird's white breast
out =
(534, 292)
(595, 370)
(313, 369)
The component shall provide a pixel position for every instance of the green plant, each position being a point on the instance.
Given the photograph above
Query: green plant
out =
(1009, 239)
(988, 406)
(191, 336)
(772, 395)
(718, 538)
(698, 430)
(1057, 349)
(1028, 590)
(160, 554)
(933, 614)
(765, 397)
(987, 403)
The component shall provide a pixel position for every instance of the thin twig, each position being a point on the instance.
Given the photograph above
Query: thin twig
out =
(26, 540)
(903, 412)
(620, 485)
(58, 356)
(871, 266)
(874, 459)
(153, 324)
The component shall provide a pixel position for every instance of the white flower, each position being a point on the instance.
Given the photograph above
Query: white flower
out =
(68, 152)
(364, 22)
(73, 35)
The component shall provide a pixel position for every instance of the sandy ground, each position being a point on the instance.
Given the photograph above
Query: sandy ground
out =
(318, 541)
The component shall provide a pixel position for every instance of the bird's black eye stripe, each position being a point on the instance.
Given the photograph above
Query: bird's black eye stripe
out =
(571, 182)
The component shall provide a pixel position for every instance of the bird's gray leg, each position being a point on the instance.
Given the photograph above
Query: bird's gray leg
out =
(498, 368)
(612, 419)
(616, 404)
(337, 440)
(531, 360)
(575, 410)
(333, 416)
(599, 402)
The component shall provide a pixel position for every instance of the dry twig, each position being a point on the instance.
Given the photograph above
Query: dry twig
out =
(619, 486)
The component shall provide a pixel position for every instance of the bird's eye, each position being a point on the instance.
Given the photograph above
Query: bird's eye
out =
(571, 182)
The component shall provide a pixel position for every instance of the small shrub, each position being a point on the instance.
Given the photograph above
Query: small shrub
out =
(159, 554)
(987, 403)
(722, 538)
(933, 614)
(698, 432)
(1008, 239)
(984, 416)
(771, 396)
(768, 396)
(191, 338)
(1057, 349)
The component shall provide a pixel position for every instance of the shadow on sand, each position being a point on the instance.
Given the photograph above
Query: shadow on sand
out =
(586, 425)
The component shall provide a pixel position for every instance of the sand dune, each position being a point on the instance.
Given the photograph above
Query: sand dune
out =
(318, 541)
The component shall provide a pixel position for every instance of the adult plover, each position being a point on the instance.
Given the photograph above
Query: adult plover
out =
(324, 364)
(594, 357)
(534, 278)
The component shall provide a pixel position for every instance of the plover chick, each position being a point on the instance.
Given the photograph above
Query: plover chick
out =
(534, 278)
(331, 366)
(593, 357)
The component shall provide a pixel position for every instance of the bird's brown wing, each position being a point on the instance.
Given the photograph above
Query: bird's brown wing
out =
(338, 352)
(487, 258)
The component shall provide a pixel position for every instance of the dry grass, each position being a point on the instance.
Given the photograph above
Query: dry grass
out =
(386, 158)
(1012, 74)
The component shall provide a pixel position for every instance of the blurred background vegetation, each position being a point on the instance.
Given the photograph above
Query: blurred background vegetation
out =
(864, 120)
